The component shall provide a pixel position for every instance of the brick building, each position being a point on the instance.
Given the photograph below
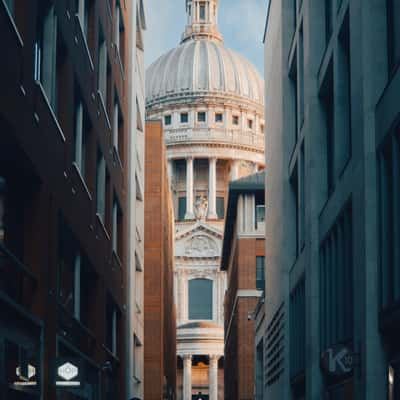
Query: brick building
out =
(65, 148)
(159, 306)
(243, 257)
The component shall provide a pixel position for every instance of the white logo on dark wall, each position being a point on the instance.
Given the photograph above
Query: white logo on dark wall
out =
(66, 373)
(25, 376)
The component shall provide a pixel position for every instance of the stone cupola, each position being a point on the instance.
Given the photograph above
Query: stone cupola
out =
(202, 21)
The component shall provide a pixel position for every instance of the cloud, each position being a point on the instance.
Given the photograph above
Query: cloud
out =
(241, 22)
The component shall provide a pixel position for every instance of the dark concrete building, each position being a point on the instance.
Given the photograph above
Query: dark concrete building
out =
(159, 303)
(64, 148)
(243, 259)
(332, 233)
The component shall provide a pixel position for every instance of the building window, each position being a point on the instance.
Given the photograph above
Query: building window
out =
(119, 36)
(10, 6)
(80, 135)
(294, 100)
(300, 82)
(101, 186)
(260, 214)
(111, 326)
(298, 330)
(343, 129)
(167, 120)
(136, 358)
(250, 123)
(235, 120)
(262, 128)
(20, 352)
(393, 16)
(45, 50)
(181, 208)
(260, 371)
(118, 129)
(259, 210)
(329, 14)
(260, 273)
(336, 282)
(69, 272)
(76, 279)
(102, 67)
(201, 116)
(202, 11)
(297, 183)
(184, 118)
(219, 117)
(200, 299)
(302, 198)
(389, 218)
(83, 9)
(117, 228)
(327, 99)
(220, 207)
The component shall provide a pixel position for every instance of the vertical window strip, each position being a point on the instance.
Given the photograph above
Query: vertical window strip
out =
(77, 287)
(301, 79)
(101, 186)
(79, 134)
(115, 226)
(302, 198)
(396, 218)
(336, 283)
(343, 132)
(102, 67)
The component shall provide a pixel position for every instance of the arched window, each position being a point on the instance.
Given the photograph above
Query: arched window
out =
(200, 299)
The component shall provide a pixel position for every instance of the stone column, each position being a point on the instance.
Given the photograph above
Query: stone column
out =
(187, 377)
(170, 170)
(255, 168)
(212, 189)
(189, 188)
(234, 170)
(213, 377)
(182, 297)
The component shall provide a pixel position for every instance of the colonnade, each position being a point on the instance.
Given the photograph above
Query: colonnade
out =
(212, 184)
(187, 377)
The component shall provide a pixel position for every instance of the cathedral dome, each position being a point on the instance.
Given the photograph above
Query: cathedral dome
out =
(200, 67)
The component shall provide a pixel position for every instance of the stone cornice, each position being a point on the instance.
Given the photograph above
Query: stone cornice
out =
(206, 97)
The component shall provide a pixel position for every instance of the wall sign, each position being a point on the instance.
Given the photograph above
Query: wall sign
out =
(26, 375)
(338, 360)
(68, 372)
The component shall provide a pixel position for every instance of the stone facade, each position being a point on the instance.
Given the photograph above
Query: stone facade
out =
(211, 103)
(332, 105)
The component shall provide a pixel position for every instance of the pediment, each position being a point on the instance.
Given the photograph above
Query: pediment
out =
(200, 241)
(199, 227)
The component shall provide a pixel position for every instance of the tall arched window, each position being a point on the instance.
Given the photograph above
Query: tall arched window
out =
(200, 299)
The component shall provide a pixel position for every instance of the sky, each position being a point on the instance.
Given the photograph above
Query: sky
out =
(241, 22)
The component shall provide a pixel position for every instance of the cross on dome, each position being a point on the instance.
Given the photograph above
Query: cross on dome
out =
(202, 21)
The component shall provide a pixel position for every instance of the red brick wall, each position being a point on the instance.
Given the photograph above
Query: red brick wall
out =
(239, 345)
(159, 308)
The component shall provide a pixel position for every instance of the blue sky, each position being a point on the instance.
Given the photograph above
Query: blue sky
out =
(240, 21)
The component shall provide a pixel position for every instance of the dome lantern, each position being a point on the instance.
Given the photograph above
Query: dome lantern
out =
(202, 21)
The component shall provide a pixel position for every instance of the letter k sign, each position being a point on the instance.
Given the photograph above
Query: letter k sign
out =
(339, 362)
